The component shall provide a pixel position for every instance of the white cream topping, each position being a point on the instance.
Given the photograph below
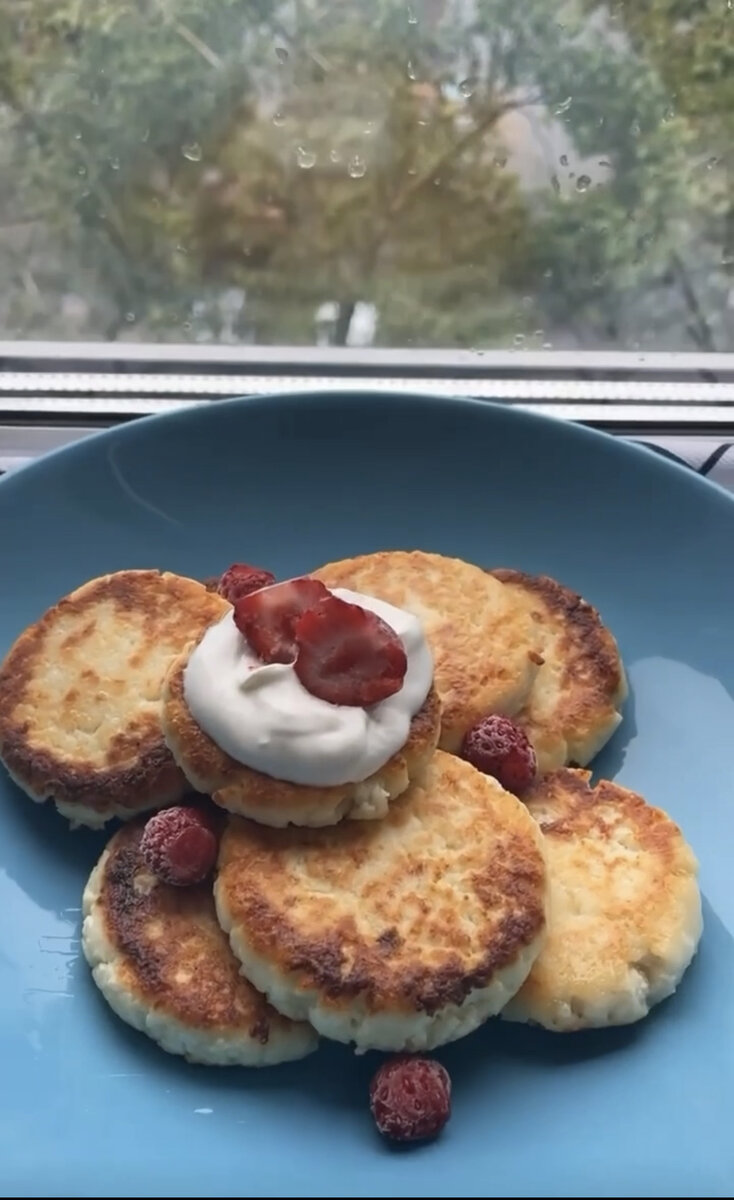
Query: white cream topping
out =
(262, 716)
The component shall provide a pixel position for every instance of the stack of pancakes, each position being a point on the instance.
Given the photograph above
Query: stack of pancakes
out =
(395, 914)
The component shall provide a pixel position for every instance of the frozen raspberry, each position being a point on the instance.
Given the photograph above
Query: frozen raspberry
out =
(347, 654)
(267, 618)
(240, 579)
(179, 845)
(499, 747)
(410, 1098)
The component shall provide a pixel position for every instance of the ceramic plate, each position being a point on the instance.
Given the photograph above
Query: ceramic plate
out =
(90, 1107)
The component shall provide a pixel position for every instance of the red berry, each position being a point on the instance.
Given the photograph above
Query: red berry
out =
(267, 618)
(179, 845)
(410, 1098)
(499, 747)
(240, 579)
(347, 654)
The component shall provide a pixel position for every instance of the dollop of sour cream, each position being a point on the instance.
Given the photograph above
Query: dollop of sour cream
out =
(262, 716)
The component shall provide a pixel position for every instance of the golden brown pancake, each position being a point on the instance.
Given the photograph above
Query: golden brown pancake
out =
(484, 645)
(399, 934)
(625, 910)
(161, 961)
(573, 707)
(242, 790)
(80, 695)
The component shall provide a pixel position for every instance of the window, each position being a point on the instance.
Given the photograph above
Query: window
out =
(479, 189)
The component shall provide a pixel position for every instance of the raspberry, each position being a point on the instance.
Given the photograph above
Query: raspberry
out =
(499, 747)
(347, 654)
(240, 579)
(410, 1098)
(267, 618)
(179, 845)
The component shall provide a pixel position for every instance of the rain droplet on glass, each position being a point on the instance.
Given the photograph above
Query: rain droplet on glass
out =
(192, 151)
(712, 162)
(563, 160)
(519, 339)
(115, 164)
(467, 88)
(78, 135)
(334, 155)
(410, 68)
(130, 317)
(305, 158)
(278, 118)
(357, 167)
(187, 326)
(563, 106)
(554, 182)
(583, 183)
(500, 160)
(412, 18)
(281, 54)
(604, 162)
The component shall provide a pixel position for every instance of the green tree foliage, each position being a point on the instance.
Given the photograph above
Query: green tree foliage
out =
(480, 172)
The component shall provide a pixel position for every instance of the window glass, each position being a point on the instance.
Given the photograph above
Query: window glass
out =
(441, 173)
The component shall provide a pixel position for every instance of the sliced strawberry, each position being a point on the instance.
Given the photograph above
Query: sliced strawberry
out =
(347, 654)
(267, 617)
(240, 579)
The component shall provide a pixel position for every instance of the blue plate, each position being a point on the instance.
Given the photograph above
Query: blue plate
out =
(91, 1108)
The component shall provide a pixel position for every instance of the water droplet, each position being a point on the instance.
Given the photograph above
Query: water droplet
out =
(583, 183)
(635, 129)
(281, 54)
(145, 135)
(548, 274)
(411, 70)
(180, 248)
(538, 334)
(727, 258)
(519, 339)
(412, 170)
(78, 136)
(437, 181)
(115, 164)
(500, 160)
(305, 158)
(357, 167)
(82, 171)
(278, 119)
(712, 162)
(563, 160)
(187, 326)
(192, 151)
(130, 317)
(604, 162)
(563, 106)
(547, 345)
(369, 129)
(554, 183)
(411, 14)
(335, 156)
(467, 88)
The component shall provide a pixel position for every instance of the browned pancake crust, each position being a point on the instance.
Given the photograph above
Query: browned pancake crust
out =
(288, 894)
(589, 682)
(624, 908)
(240, 789)
(174, 956)
(132, 768)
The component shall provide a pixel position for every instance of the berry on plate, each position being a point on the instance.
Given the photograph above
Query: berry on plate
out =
(179, 845)
(499, 747)
(410, 1098)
